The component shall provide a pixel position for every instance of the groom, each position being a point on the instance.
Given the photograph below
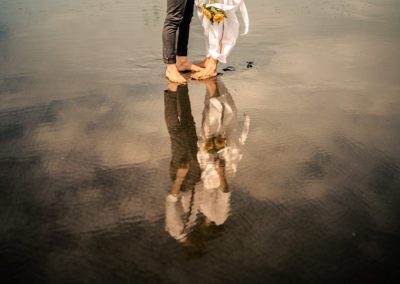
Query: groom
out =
(179, 16)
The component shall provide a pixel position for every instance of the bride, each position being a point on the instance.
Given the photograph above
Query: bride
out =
(221, 30)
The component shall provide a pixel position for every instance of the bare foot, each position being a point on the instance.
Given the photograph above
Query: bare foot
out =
(203, 63)
(208, 72)
(173, 74)
(183, 64)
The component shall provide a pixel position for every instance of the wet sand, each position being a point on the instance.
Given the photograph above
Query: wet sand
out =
(85, 152)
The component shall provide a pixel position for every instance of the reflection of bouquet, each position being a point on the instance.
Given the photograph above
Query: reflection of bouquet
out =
(215, 15)
(214, 144)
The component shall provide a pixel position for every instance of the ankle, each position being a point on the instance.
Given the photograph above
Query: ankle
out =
(182, 59)
(171, 68)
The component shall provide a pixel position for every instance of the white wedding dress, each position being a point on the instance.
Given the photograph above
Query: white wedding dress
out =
(221, 37)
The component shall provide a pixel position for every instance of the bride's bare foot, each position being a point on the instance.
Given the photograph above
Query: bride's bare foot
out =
(208, 72)
(173, 74)
(183, 64)
(203, 63)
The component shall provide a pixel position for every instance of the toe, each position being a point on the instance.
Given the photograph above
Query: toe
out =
(197, 75)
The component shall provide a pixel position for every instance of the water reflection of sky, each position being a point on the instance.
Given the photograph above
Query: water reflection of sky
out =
(84, 151)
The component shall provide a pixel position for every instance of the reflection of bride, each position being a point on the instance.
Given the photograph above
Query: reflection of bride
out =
(219, 146)
(196, 211)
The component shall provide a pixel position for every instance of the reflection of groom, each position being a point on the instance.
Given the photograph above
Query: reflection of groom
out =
(179, 16)
(184, 169)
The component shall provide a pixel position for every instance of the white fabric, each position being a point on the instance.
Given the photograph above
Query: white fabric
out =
(221, 37)
(216, 205)
(181, 212)
(179, 216)
(210, 176)
(220, 119)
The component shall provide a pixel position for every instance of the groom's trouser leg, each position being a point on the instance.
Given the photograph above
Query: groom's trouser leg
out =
(179, 14)
(184, 28)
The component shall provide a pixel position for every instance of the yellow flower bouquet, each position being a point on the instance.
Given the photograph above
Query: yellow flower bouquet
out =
(214, 144)
(215, 15)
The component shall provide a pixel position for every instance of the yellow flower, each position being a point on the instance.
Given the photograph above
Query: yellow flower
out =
(207, 14)
(220, 142)
(218, 17)
(209, 145)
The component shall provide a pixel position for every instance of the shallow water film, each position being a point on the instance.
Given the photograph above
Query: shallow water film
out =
(288, 162)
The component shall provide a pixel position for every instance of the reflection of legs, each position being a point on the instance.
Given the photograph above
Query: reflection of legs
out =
(221, 173)
(180, 124)
(190, 140)
(178, 112)
(177, 170)
(211, 87)
(171, 110)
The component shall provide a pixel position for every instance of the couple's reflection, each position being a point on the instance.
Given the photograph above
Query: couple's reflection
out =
(198, 203)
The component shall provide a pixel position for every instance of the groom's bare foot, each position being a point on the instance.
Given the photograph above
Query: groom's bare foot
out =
(173, 74)
(183, 64)
(208, 72)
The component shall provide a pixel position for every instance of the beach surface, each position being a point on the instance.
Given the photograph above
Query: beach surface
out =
(85, 152)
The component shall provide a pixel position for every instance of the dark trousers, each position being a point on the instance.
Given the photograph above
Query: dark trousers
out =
(179, 16)
(182, 132)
